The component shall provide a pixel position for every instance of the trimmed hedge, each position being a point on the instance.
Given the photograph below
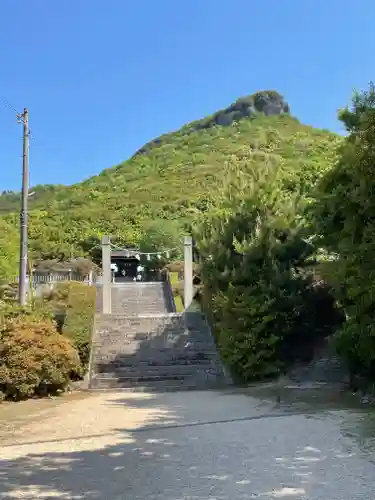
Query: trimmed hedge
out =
(79, 317)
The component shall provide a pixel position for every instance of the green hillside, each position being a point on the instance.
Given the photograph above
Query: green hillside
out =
(170, 181)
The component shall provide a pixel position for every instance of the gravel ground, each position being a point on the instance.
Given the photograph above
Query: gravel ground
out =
(186, 446)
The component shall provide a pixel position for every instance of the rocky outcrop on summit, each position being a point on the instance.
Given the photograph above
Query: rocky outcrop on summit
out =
(268, 102)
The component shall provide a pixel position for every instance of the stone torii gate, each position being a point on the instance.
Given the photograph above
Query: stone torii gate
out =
(107, 274)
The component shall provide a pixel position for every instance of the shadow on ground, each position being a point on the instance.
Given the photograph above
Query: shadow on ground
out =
(200, 446)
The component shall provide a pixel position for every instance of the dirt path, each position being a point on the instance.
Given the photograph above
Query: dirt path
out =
(15, 416)
(178, 446)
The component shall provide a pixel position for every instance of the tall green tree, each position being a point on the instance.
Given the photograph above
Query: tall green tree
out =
(160, 235)
(253, 267)
(344, 215)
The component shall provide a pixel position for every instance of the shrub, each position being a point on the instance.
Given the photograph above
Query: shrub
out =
(35, 358)
(79, 317)
(256, 270)
(266, 317)
(11, 311)
(345, 224)
(8, 292)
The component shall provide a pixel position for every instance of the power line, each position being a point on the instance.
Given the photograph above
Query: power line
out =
(9, 105)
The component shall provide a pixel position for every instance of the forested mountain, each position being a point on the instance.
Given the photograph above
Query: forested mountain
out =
(282, 215)
(171, 181)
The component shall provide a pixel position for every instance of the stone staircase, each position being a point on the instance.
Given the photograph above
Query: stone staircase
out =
(139, 298)
(154, 352)
(136, 298)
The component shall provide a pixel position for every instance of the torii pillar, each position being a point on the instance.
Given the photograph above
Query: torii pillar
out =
(188, 272)
(106, 275)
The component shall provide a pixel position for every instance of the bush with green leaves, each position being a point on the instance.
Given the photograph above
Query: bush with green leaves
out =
(9, 247)
(344, 222)
(35, 359)
(256, 269)
(79, 317)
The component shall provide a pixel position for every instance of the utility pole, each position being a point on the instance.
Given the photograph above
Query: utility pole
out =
(22, 286)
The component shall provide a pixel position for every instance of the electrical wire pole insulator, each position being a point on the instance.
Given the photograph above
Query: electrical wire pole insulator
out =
(22, 286)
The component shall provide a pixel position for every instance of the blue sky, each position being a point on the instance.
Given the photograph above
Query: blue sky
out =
(101, 78)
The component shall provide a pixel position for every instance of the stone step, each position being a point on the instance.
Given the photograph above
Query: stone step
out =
(193, 322)
(156, 339)
(163, 388)
(148, 292)
(153, 345)
(163, 351)
(116, 363)
(152, 350)
(135, 296)
(145, 364)
(179, 370)
(136, 329)
(140, 308)
(137, 379)
(136, 325)
(157, 354)
(163, 385)
(153, 340)
(140, 298)
(138, 294)
(136, 309)
(129, 360)
(153, 323)
(148, 324)
(131, 308)
(133, 349)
